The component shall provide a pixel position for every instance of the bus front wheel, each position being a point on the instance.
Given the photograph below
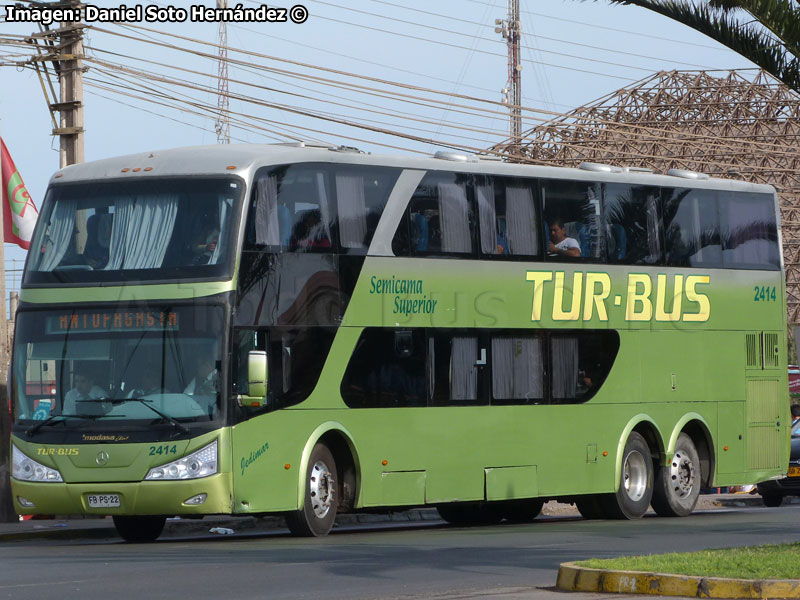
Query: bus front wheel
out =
(318, 512)
(678, 484)
(139, 529)
(635, 490)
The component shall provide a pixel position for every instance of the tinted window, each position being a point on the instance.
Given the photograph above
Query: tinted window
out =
(387, 369)
(632, 224)
(581, 361)
(574, 208)
(749, 231)
(691, 228)
(440, 217)
(508, 216)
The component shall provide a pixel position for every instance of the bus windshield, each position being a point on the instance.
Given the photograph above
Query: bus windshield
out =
(145, 229)
(105, 368)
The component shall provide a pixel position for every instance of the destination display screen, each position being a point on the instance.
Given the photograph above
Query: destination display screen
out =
(111, 321)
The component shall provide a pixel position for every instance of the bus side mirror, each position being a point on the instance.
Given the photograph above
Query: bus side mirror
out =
(256, 379)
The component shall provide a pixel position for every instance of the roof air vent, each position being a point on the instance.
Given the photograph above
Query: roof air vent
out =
(638, 170)
(601, 168)
(687, 174)
(453, 156)
(351, 149)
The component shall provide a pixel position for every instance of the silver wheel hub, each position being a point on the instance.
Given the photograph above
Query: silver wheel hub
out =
(321, 489)
(634, 475)
(682, 474)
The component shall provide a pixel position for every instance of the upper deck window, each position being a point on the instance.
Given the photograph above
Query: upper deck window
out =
(318, 207)
(153, 229)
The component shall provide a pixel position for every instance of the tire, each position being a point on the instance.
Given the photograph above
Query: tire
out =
(590, 507)
(677, 485)
(635, 490)
(139, 529)
(521, 511)
(316, 517)
(772, 500)
(474, 513)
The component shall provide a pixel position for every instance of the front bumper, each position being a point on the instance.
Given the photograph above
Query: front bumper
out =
(136, 498)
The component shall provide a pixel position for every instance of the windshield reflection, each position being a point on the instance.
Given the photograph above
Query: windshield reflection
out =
(117, 365)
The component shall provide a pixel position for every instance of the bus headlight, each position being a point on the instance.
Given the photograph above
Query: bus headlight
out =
(27, 469)
(198, 464)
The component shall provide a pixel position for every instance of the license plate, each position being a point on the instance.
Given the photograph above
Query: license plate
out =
(794, 471)
(103, 500)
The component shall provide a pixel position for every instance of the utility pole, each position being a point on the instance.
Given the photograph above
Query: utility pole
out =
(223, 124)
(69, 67)
(511, 30)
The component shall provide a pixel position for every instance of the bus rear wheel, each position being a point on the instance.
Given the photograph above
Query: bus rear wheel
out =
(677, 485)
(316, 517)
(139, 529)
(635, 490)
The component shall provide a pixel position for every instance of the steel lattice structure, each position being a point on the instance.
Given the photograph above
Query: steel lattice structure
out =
(735, 126)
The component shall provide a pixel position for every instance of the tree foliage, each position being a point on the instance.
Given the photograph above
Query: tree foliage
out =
(766, 32)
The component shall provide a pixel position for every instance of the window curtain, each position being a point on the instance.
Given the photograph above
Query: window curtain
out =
(57, 237)
(142, 231)
(521, 220)
(463, 372)
(267, 223)
(225, 207)
(352, 210)
(454, 218)
(565, 367)
(488, 218)
(517, 369)
(324, 209)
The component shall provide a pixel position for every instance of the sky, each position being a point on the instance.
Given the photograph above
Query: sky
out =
(573, 53)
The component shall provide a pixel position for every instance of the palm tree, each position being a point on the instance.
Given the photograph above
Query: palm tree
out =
(766, 32)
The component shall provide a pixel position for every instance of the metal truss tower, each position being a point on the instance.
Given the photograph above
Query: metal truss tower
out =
(223, 123)
(511, 30)
(741, 125)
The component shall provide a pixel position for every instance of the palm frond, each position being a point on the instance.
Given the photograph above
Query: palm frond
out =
(755, 40)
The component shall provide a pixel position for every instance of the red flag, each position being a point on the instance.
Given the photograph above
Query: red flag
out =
(19, 211)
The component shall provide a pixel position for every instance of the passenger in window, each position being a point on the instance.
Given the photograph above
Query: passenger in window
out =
(205, 239)
(309, 232)
(84, 390)
(560, 244)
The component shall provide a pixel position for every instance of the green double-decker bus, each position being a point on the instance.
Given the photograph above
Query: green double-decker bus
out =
(310, 330)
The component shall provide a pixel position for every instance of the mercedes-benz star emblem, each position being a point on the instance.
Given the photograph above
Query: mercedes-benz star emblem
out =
(101, 458)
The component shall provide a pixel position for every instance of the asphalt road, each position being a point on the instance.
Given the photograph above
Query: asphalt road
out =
(429, 560)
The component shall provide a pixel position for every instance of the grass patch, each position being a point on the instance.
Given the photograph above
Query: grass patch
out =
(752, 562)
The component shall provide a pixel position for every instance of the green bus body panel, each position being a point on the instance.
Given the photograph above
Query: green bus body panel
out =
(668, 373)
(507, 483)
(124, 293)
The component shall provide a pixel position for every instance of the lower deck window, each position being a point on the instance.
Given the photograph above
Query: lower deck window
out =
(441, 367)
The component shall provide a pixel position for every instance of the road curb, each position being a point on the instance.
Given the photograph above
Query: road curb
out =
(583, 579)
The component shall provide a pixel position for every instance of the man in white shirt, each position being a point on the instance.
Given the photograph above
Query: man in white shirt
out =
(560, 244)
(84, 389)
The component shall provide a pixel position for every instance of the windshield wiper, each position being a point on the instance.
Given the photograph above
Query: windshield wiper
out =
(52, 418)
(174, 422)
